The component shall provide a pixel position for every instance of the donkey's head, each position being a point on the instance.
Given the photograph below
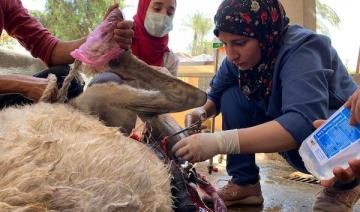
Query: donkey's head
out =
(155, 93)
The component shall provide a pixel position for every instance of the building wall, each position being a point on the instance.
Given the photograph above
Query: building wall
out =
(301, 12)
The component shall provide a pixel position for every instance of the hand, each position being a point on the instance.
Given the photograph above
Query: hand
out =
(123, 33)
(197, 115)
(354, 104)
(35, 88)
(197, 147)
(340, 174)
(203, 146)
(344, 175)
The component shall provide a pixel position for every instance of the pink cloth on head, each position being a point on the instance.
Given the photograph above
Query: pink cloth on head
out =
(100, 46)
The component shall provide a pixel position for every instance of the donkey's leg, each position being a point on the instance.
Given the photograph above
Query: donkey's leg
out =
(164, 125)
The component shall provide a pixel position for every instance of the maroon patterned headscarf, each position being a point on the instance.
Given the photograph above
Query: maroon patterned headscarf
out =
(263, 20)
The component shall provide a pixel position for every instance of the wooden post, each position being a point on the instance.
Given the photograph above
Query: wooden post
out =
(309, 14)
(302, 12)
(358, 63)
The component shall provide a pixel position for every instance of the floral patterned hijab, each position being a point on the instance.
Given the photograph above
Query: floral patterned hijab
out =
(263, 20)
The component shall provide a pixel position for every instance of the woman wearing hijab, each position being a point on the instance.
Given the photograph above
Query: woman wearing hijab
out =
(152, 23)
(275, 81)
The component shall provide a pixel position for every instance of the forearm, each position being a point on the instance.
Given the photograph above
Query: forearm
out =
(30, 87)
(268, 137)
(265, 138)
(14, 83)
(210, 108)
(61, 53)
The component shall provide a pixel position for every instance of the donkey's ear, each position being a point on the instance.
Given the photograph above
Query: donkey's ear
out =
(174, 95)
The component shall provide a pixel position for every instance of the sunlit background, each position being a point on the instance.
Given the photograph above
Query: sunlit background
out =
(345, 37)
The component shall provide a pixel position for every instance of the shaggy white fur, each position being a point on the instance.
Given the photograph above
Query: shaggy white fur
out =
(54, 158)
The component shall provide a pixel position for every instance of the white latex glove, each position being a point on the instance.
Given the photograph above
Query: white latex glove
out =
(203, 146)
(197, 115)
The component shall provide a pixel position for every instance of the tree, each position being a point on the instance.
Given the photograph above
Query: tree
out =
(326, 15)
(73, 19)
(201, 26)
(7, 41)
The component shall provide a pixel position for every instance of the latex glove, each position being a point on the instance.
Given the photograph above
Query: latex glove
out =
(197, 115)
(203, 146)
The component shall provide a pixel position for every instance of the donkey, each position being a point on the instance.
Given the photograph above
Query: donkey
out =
(62, 157)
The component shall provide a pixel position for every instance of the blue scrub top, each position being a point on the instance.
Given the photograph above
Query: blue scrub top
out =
(310, 82)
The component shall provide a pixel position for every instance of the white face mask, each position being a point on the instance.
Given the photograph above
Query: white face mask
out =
(158, 25)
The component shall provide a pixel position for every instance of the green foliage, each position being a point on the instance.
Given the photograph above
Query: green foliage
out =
(73, 19)
(326, 15)
(201, 26)
(6, 41)
(207, 47)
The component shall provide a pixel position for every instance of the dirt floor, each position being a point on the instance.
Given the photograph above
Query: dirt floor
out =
(280, 193)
